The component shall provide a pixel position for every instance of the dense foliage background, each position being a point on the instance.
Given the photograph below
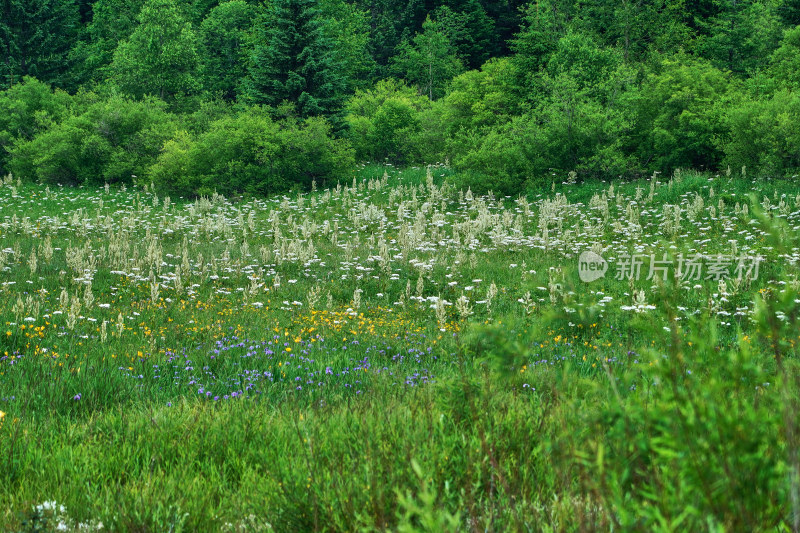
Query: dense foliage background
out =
(255, 97)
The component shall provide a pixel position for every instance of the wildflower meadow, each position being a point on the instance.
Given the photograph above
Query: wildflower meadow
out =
(394, 352)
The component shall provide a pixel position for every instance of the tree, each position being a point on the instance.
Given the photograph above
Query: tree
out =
(545, 22)
(197, 10)
(507, 18)
(386, 28)
(295, 60)
(35, 39)
(112, 22)
(763, 135)
(676, 118)
(429, 62)
(583, 60)
(785, 61)
(471, 32)
(789, 11)
(160, 57)
(109, 142)
(639, 27)
(481, 98)
(251, 153)
(224, 36)
(740, 35)
(384, 122)
(348, 26)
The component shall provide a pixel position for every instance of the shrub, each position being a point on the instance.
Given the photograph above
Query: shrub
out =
(763, 135)
(109, 142)
(481, 98)
(567, 132)
(26, 109)
(253, 154)
(676, 118)
(503, 159)
(383, 122)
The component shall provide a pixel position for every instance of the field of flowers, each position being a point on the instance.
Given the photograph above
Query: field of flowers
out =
(397, 352)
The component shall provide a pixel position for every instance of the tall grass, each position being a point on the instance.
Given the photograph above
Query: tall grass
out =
(396, 354)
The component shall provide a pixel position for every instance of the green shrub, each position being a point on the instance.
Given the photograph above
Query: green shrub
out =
(251, 153)
(762, 135)
(503, 159)
(383, 123)
(26, 109)
(109, 142)
(566, 133)
(481, 98)
(677, 122)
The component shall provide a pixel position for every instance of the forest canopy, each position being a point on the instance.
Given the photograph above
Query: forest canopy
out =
(248, 97)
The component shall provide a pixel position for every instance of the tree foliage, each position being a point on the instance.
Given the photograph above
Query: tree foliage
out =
(160, 58)
(251, 153)
(35, 38)
(224, 37)
(111, 141)
(295, 60)
(429, 61)
(511, 92)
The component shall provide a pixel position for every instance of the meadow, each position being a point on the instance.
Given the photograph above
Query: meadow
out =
(396, 352)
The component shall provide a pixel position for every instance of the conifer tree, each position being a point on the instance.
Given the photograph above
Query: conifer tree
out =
(295, 61)
(112, 22)
(35, 39)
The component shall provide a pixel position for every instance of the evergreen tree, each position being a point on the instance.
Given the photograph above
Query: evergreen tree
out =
(35, 38)
(507, 18)
(545, 22)
(385, 28)
(740, 35)
(198, 10)
(161, 56)
(470, 30)
(295, 60)
(789, 11)
(348, 26)
(85, 8)
(638, 27)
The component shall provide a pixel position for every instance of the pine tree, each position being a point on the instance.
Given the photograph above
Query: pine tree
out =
(789, 11)
(740, 35)
(471, 32)
(35, 38)
(295, 61)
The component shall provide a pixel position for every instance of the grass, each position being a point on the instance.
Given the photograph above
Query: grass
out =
(395, 353)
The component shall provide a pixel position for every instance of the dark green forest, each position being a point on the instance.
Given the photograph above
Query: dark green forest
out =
(248, 97)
